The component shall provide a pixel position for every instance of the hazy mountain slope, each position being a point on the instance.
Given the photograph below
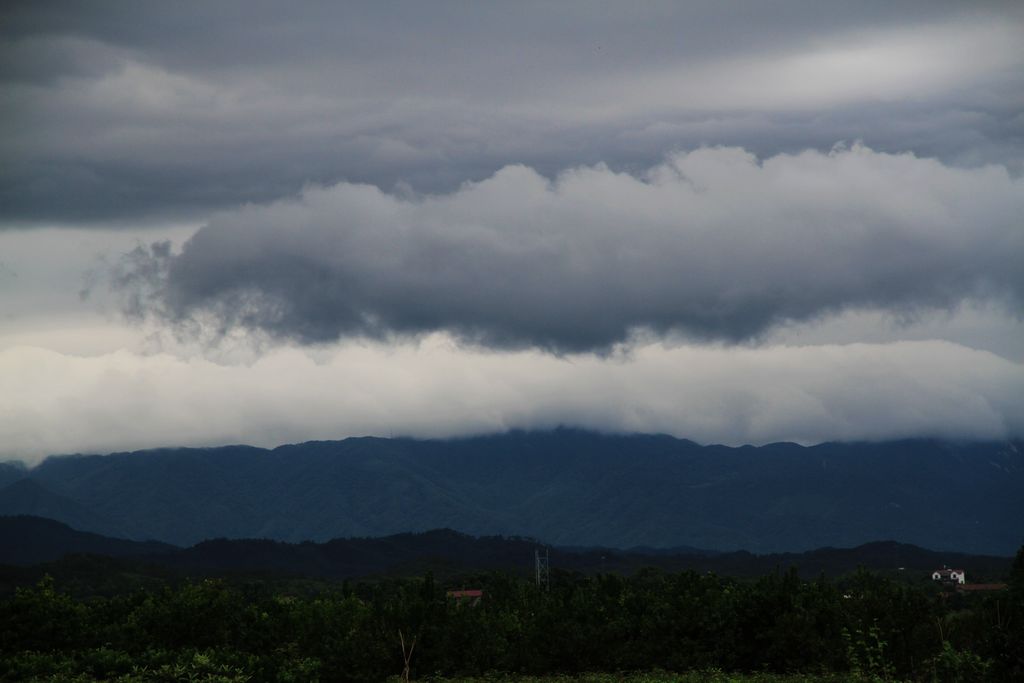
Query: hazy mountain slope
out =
(29, 497)
(11, 472)
(312, 491)
(565, 487)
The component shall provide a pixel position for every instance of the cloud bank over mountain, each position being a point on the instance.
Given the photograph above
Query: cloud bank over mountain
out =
(123, 400)
(712, 244)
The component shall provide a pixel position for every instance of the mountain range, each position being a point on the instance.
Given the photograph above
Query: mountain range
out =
(26, 541)
(564, 487)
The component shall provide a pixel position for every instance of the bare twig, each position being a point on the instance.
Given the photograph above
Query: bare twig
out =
(406, 655)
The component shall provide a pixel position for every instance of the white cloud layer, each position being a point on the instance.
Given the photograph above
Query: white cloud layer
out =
(52, 402)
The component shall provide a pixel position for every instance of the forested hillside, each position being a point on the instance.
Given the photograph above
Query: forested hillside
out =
(864, 627)
(27, 541)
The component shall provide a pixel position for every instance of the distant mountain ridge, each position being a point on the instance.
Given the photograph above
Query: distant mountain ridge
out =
(566, 487)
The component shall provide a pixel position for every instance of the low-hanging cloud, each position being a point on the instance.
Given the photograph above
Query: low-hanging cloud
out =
(711, 244)
(52, 402)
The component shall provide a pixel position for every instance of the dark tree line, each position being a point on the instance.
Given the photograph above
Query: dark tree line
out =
(864, 624)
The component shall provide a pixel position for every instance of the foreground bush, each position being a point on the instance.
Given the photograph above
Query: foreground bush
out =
(863, 628)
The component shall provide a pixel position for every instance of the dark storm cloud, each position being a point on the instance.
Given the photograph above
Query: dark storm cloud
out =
(713, 243)
(124, 109)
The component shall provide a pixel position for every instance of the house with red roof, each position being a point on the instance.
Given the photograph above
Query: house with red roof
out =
(471, 596)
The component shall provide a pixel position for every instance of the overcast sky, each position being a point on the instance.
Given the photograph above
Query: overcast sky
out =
(732, 222)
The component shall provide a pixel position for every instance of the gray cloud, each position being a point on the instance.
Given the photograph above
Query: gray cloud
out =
(712, 244)
(439, 175)
(130, 111)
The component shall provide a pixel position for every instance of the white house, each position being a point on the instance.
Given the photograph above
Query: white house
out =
(947, 575)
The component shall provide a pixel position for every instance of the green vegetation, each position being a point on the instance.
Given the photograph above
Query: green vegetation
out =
(779, 627)
(704, 676)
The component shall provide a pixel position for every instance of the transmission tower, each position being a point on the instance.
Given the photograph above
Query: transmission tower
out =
(543, 568)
